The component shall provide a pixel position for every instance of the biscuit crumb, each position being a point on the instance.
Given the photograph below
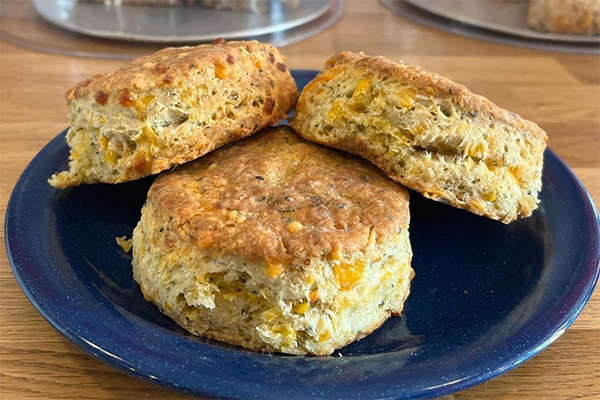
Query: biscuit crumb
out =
(124, 243)
(255, 284)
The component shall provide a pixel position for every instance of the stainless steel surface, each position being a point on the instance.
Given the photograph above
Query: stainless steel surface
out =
(407, 10)
(22, 25)
(175, 24)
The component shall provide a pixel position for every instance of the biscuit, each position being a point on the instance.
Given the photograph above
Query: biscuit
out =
(171, 107)
(275, 244)
(575, 17)
(427, 133)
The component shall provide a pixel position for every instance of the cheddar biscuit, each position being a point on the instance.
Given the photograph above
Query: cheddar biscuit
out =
(427, 133)
(172, 107)
(275, 244)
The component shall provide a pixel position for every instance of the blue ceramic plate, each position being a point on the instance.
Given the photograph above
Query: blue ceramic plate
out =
(486, 296)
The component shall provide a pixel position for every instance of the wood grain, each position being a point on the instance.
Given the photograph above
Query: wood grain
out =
(559, 91)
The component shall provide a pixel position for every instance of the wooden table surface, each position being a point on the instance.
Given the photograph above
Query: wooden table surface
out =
(561, 92)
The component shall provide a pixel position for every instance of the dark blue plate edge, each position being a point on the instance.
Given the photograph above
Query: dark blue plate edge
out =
(580, 302)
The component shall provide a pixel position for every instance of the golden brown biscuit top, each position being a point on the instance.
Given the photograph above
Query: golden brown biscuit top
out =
(430, 84)
(172, 65)
(279, 198)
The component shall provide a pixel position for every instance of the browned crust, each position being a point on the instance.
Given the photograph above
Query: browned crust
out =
(438, 86)
(242, 200)
(172, 66)
(250, 66)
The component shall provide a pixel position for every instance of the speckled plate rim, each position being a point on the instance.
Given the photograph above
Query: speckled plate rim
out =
(590, 272)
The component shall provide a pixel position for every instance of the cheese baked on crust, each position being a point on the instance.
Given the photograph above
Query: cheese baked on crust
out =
(427, 133)
(171, 107)
(576, 17)
(275, 244)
